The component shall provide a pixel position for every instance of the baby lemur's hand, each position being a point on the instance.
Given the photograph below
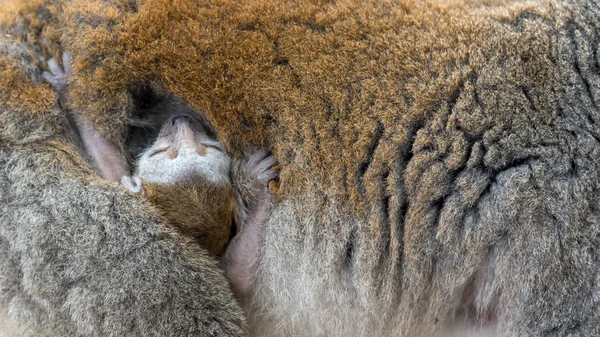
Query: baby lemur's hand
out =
(58, 76)
(102, 154)
(251, 178)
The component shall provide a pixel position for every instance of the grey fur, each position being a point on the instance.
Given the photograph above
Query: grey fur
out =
(88, 268)
(491, 201)
(504, 216)
(83, 257)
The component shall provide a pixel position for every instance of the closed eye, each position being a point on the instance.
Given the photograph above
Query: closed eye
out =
(157, 151)
(215, 145)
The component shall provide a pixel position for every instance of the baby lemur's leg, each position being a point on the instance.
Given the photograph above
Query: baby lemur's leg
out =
(104, 156)
(251, 179)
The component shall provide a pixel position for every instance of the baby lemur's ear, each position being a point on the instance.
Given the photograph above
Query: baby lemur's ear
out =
(134, 184)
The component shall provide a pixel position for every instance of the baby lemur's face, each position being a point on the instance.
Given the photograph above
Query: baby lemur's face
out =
(185, 173)
(183, 148)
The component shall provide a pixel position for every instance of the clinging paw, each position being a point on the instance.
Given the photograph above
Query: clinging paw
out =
(260, 167)
(251, 178)
(58, 76)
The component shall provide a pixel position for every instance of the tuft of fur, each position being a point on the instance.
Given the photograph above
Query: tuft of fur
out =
(439, 158)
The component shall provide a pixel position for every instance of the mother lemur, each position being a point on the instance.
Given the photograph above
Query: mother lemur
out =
(439, 167)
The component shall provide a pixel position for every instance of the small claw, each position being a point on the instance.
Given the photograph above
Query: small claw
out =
(268, 175)
(67, 59)
(267, 169)
(55, 67)
(49, 78)
(257, 157)
(133, 183)
(266, 163)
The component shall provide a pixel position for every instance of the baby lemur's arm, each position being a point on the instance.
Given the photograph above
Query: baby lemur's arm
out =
(103, 155)
(251, 179)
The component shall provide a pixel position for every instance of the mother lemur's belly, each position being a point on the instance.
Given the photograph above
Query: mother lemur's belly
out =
(453, 196)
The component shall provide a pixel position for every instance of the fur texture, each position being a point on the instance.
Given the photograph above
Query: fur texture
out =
(80, 256)
(439, 158)
(88, 268)
(206, 214)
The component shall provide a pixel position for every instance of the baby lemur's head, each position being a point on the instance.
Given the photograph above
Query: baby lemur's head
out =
(185, 173)
(183, 149)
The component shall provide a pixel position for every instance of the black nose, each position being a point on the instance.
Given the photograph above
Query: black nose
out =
(181, 119)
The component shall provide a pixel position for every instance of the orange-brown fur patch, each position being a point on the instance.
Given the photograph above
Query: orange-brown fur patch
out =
(197, 208)
(391, 120)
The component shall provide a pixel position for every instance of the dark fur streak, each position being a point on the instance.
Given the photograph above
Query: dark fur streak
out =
(516, 163)
(249, 27)
(282, 62)
(473, 80)
(454, 97)
(439, 203)
(596, 60)
(560, 109)
(316, 27)
(571, 28)
(400, 221)
(102, 228)
(364, 165)
(345, 179)
(269, 117)
(406, 153)
(527, 92)
(473, 138)
(526, 15)
(573, 169)
(328, 110)
(353, 93)
(404, 157)
(384, 206)
(278, 59)
(132, 6)
(315, 135)
(350, 249)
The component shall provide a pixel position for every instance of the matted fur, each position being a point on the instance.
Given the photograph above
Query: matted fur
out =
(440, 159)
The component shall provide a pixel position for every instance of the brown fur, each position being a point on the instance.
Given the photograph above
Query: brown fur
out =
(428, 148)
(198, 209)
(194, 205)
(116, 272)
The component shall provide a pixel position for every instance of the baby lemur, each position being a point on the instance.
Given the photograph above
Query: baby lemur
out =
(187, 174)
